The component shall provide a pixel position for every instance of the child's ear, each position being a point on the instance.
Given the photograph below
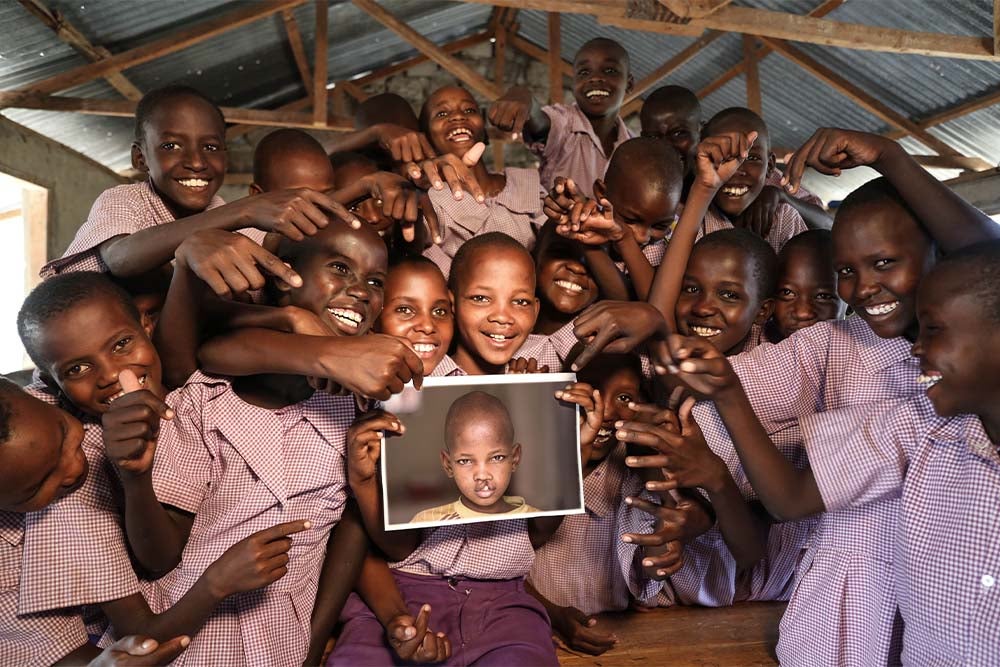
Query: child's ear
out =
(630, 83)
(772, 162)
(446, 464)
(254, 190)
(766, 308)
(515, 456)
(138, 159)
(600, 189)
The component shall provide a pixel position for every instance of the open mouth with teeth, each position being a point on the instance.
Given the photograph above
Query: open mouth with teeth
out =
(350, 319)
(193, 183)
(735, 191)
(114, 397)
(459, 135)
(498, 339)
(928, 379)
(603, 435)
(425, 350)
(485, 490)
(705, 332)
(881, 308)
(597, 94)
(571, 287)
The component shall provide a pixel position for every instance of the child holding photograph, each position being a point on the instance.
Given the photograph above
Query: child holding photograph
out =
(481, 455)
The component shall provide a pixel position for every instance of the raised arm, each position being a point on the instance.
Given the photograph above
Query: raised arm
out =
(519, 113)
(953, 222)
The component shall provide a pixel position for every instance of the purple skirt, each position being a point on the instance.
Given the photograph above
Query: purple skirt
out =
(488, 622)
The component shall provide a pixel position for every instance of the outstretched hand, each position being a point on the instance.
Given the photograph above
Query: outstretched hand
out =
(831, 150)
(719, 156)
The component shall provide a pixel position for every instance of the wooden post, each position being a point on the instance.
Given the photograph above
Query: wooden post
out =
(319, 68)
(499, 74)
(555, 59)
(298, 49)
(752, 74)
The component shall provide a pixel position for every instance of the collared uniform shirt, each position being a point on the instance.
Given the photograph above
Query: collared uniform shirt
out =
(516, 211)
(945, 474)
(118, 211)
(572, 149)
(842, 608)
(241, 469)
(785, 224)
(774, 177)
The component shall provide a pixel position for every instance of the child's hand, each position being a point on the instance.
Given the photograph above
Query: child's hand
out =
(511, 112)
(228, 262)
(450, 169)
(294, 214)
(617, 327)
(524, 366)
(403, 202)
(592, 223)
(373, 366)
(402, 144)
(580, 633)
(685, 457)
(703, 368)
(830, 150)
(306, 322)
(592, 403)
(759, 215)
(255, 561)
(411, 640)
(364, 445)
(131, 426)
(559, 202)
(719, 157)
(138, 651)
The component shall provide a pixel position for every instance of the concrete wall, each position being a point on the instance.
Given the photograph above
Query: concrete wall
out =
(72, 179)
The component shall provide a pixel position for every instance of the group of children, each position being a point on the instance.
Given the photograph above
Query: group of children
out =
(192, 475)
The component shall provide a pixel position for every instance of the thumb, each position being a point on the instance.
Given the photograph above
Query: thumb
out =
(471, 157)
(129, 381)
(135, 645)
(403, 629)
(687, 419)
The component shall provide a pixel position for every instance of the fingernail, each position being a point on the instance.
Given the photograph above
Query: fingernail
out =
(628, 500)
(630, 461)
(673, 369)
(480, 199)
(632, 405)
(574, 367)
(356, 224)
(659, 370)
(626, 538)
(647, 563)
(619, 423)
(687, 366)
(169, 414)
(438, 239)
(296, 281)
(308, 525)
(661, 573)
(438, 185)
(148, 643)
(185, 641)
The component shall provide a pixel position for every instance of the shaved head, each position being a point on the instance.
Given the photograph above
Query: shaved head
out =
(479, 408)
(291, 158)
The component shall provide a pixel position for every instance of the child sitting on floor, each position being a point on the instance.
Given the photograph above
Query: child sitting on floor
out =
(480, 454)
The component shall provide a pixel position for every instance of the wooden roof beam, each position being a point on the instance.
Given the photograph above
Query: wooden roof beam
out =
(298, 49)
(555, 57)
(752, 75)
(320, 107)
(167, 44)
(126, 109)
(654, 77)
(67, 32)
(861, 98)
(460, 70)
(449, 48)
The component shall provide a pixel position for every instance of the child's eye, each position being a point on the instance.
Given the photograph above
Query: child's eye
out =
(610, 70)
(441, 312)
(405, 310)
(679, 133)
(75, 370)
(470, 110)
(883, 263)
(583, 72)
(729, 294)
(463, 462)
(753, 158)
(825, 296)
(479, 298)
(845, 271)
(624, 398)
(498, 458)
(441, 114)
(377, 283)
(122, 344)
(690, 289)
(212, 147)
(339, 267)
(786, 293)
(169, 146)
(522, 302)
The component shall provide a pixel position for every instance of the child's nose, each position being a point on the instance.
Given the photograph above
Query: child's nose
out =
(193, 159)
(502, 313)
(360, 291)
(424, 324)
(803, 310)
(703, 306)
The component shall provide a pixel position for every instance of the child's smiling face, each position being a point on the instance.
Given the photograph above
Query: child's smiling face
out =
(184, 152)
(482, 459)
(495, 308)
(807, 292)
(454, 121)
(418, 310)
(601, 78)
(880, 254)
(42, 460)
(343, 277)
(743, 188)
(619, 388)
(564, 282)
(86, 347)
(719, 299)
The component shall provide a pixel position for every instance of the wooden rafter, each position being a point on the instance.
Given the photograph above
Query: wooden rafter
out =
(781, 25)
(68, 33)
(235, 131)
(537, 53)
(450, 48)
(354, 90)
(963, 109)
(861, 98)
(752, 74)
(320, 107)
(694, 9)
(159, 47)
(996, 27)
(298, 49)
(666, 68)
(555, 57)
(126, 108)
(460, 70)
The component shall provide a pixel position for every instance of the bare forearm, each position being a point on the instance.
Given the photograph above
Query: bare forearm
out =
(154, 535)
(255, 351)
(132, 615)
(609, 279)
(740, 527)
(379, 591)
(397, 545)
(177, 335)
(640, 271)
(952, 222)
(787, 493)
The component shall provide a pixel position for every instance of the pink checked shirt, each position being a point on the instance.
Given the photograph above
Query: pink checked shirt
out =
(241, 468)
(572, 149)
(579, 566)
(774, 177)
(38, 639)
(945, 474)
(121, 210)
(786, 224)
(843, 605)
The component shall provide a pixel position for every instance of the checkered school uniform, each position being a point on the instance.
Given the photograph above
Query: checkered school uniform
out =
(786, 224)
(578, 566)
(445, 367)
(774, 177)
(74, 550)
(572, 148)
(946, 473)
(516, 211)
(842, 608)
(36, 638)
(241, 469)
(121, 210)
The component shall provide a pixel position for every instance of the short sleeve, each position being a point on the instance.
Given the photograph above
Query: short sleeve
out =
(558, 124)
(184, 467)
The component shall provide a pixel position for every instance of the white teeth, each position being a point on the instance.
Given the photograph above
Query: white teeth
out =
(497, 337)
(706, 332)
(193, 182)
(735, 190)
(112, 399)
(928, 380)
(424, 347)
(597, 93)
(567, 285)
(460, 134)
(348, 317)
(882, 308)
